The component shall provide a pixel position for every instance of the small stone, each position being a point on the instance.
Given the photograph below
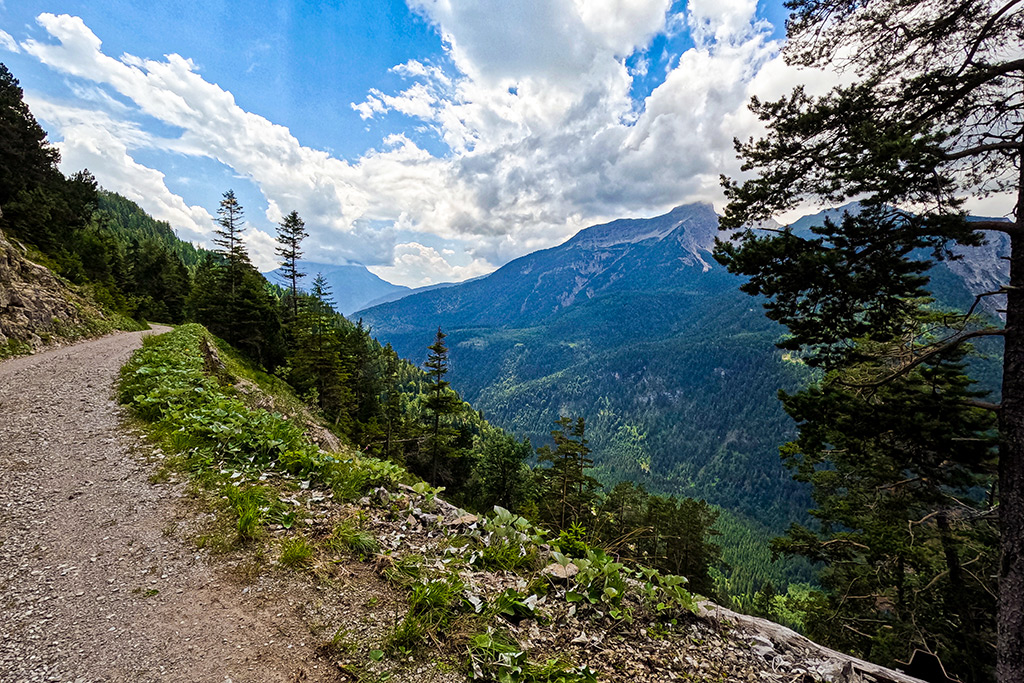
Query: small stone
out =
(561, 572)
(463, 520)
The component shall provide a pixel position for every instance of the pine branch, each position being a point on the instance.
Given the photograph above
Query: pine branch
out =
(981, 149)
(951, 343)
(984, 405)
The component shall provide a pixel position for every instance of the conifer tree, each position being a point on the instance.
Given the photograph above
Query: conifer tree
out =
(290, 233)
(568, 491)
(501, 472)
(442, 403)
(317, 364)
(26, 160)
(238, 308)
(902, 474)
(391, 403)
(932, 114)
(228, 239)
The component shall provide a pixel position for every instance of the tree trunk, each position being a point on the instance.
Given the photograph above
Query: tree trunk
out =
(1010, 640)
(433, 447)
(295, 293)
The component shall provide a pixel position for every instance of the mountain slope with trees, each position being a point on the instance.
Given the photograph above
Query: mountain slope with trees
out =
(634, 325)
(361, 393)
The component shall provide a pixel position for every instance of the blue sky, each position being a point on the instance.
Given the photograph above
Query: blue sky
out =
(431, 141)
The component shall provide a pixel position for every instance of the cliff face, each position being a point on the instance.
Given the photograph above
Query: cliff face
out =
(985, 269)
(35, 307)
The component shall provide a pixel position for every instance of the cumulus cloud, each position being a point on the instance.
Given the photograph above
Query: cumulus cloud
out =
(261, 247)
(534, 107)
(95, 141)
(416, 265)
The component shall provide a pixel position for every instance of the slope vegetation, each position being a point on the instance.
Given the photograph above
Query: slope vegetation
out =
(411, 588)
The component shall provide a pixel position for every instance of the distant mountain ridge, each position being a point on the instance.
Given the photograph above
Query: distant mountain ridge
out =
(395, 296)
(634, 326)
(668, 251)
(352, 286)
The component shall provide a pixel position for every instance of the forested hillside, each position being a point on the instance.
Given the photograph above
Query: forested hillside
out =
(634, 325)
(131, 225)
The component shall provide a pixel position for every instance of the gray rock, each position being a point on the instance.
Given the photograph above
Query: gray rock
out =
(561, 572)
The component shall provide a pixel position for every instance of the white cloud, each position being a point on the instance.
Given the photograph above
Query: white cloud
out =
(544, 137)
(98, 96)
(95, 141)
(8, 43)
(722, 22)
(416, 265)
(260, 246)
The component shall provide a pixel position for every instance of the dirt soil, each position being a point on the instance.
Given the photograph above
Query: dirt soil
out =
(95, 585)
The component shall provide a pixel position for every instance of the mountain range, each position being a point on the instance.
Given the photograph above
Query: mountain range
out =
(633, 326)
(352, 286)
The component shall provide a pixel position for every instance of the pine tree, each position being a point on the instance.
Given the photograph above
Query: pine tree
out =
(290, 233)
(442, 403)
(159, 281)
(317, 363)
(933, 114)
(501, 472)
(229, 240)
(26, 160)
(568, 491)
(391, 403)
(898, 472)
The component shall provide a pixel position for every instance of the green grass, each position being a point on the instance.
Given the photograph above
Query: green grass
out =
(405, 571)
(434, 606)
(348, 536)
(297, 553)
(251, 506)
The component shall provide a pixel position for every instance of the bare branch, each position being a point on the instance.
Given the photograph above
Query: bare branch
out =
(976, 80)
(977, 300)
(1009, 227)
(844, 540)
(983, 33)
(951, 343)
(984, 405)
(983, 585)
(897, 483)
(981, 149)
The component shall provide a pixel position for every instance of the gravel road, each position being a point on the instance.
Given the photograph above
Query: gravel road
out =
(93, 585)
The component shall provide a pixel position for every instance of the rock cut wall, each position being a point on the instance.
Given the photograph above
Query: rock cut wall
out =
(34, 304)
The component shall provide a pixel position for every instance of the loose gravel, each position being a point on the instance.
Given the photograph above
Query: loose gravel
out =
(94, 584)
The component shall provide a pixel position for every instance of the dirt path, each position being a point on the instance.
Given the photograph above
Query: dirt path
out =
(94, 586)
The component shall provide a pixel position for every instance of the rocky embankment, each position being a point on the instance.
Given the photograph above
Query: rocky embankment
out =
(35, 307)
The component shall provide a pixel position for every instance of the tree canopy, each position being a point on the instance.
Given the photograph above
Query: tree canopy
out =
(933, 115)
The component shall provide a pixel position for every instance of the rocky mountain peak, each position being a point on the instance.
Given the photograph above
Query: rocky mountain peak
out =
(698, 221)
